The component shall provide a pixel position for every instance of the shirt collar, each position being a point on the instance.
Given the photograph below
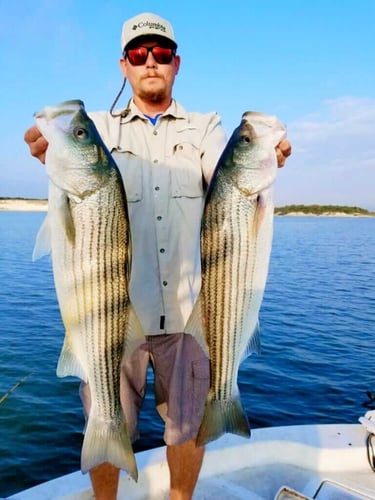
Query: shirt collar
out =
(131, 112)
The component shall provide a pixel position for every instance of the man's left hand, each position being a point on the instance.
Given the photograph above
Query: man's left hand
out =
(283, 150)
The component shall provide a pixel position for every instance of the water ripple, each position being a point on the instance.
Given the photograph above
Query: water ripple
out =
(317, 328)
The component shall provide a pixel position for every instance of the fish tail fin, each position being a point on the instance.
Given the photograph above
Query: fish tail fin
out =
(221, 417)
(195, 326)
(107, 442)
(68, 364)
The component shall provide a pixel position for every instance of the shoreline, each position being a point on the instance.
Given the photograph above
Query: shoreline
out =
(324, 214)
(41, 205)
(23, 205)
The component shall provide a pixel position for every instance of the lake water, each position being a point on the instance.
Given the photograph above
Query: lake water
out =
(317, 324)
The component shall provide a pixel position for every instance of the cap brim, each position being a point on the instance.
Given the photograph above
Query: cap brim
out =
(143, 38)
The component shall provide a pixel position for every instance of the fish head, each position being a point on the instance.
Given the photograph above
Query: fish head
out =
(266, 128)
(77, 160)
(250, 153)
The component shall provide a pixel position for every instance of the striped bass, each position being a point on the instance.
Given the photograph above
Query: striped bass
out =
(87, 233)
(236, 238)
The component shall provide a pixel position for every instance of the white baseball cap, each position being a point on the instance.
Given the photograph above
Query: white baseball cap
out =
(146, 24)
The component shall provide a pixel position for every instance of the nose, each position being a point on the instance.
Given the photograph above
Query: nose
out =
(150, 61)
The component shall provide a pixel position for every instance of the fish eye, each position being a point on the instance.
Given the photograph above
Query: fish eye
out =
(80, 133)
(245, 139)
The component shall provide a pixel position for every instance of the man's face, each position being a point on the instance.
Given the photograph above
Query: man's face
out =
(151, 81)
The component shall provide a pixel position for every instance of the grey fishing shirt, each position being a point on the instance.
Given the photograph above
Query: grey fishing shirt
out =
(165, 168)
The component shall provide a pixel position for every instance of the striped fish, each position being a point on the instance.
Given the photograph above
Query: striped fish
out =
(87, 233)
(236, 238)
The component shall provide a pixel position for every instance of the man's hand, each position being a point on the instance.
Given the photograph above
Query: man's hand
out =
(36, 142)
(283, 150)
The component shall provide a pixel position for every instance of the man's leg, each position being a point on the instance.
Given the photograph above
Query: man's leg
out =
(184, 461)
(104, 480)
(182, 379)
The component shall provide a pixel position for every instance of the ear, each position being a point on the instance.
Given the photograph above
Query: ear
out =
(123, 67)
(177, 62)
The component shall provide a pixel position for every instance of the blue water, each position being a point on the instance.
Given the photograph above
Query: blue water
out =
(317, 323)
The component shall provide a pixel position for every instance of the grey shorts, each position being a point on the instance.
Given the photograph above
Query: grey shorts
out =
(182, 379)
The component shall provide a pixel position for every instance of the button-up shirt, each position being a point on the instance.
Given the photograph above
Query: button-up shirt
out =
(165, 168)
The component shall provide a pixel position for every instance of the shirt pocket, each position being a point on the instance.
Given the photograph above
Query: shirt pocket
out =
(131, 168)
(186, 173)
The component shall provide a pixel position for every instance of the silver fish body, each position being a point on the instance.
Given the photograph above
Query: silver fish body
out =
(87, 233)
(236, 239)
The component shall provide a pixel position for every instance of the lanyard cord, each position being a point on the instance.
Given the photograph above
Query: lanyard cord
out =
(116, 99)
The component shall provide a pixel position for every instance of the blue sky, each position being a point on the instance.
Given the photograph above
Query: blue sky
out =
(309, 63)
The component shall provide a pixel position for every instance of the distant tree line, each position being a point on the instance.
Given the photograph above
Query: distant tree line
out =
(15, 198)
(321, 209)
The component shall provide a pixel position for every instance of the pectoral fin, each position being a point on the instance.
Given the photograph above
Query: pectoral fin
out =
(43, 240)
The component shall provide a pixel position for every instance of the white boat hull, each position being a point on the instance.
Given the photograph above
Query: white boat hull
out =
(304, 458)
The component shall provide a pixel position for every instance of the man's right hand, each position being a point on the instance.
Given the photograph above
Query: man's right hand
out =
(36, 142)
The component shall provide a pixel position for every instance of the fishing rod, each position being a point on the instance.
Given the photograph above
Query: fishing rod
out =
(14, 387)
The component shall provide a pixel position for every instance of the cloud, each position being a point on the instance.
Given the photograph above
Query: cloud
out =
(333, 157)
(342, 125)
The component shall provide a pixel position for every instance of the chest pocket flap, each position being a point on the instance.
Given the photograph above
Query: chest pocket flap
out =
(131, 167)
(183, 158)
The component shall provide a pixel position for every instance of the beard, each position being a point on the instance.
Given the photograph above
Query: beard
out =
(153, 93)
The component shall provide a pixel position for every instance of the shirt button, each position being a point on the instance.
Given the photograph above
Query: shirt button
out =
(165, 283)
(162, 250)
(159, 217)
(155, 132)
(155, 161)
(157, 188)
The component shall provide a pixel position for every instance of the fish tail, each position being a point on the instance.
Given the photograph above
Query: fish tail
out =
(106, 442)
(221, 417)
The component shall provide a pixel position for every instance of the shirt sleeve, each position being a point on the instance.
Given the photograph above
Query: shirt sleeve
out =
(212, 145)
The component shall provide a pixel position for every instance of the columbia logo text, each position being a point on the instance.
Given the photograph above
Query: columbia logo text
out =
(152, 26)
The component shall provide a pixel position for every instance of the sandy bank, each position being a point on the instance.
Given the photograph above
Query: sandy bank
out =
(23, 205)
(37, 205)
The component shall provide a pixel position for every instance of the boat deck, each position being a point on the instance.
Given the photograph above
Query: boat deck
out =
(323, 462)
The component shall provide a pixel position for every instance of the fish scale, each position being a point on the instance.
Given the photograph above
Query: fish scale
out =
(87, 232)
(236, 237)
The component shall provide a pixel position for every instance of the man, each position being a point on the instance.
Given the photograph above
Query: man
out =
(166, 156)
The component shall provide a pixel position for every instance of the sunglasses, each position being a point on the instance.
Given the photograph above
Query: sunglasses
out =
(139, 55)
